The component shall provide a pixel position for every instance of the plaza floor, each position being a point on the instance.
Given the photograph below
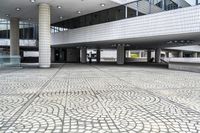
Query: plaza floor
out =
(75, 98)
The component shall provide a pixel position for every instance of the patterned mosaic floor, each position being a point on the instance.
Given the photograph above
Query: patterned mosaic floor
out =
(74, 98)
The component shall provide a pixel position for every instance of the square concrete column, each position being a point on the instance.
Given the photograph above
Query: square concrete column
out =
(98, 55)
(195, 55)
(120, 54)
(83, 55)
(148, 55)
(52, 54)
(157, 55)
(167, 54)
(180, 54)
(44, 36)
(14, 37)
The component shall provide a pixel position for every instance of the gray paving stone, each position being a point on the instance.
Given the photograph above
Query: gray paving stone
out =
(74, 98)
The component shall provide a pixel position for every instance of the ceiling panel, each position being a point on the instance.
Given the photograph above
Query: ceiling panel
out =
(69, 8)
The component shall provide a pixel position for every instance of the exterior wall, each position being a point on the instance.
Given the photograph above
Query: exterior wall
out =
(180, 21)
(192, 67)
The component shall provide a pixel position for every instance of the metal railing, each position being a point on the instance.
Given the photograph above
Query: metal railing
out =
(10, 61)
(6, 42)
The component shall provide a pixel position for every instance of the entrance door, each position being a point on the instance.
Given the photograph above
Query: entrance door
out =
(57, 55)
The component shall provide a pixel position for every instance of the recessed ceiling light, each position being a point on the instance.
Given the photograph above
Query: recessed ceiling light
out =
(18, 9)
(79, 12)
(59, 6)
(32, 1)
(29, 19)
(61, 17)
(7, 15)
(102, 4)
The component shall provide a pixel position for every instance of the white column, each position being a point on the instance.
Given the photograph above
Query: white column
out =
(140, 54)
(120, 54)
(129, 54)
(44, 36)
(180, 54)
(14, 37)
(149, 6)
(163, 4)
(157, 55)
(126, 11)
(137, 8)
(83, 55)
(195, 55)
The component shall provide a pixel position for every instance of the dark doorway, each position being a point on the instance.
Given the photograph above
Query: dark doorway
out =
(57, 55)
(60, 55)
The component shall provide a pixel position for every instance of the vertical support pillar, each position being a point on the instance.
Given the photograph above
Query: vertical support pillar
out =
(163, 5)
(120, 54)
(137, 12)
(44, 36)
(14, 37)
(149, 6)
(83, 55)
(126, 11)
(52, 54)
(129, 54)
(157, 55)
(148, 55)
(178, 2)
(197, 2)
(140, 54)
(180, 54)
(195, 54)
(98, 55)
(167, 54)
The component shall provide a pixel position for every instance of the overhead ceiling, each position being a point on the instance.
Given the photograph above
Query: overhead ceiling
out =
(69, 8)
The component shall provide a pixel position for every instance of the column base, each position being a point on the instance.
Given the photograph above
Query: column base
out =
(44, 65)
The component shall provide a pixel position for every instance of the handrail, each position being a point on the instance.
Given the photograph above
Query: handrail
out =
(10, 61)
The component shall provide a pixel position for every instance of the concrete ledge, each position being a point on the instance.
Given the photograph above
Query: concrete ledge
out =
(185, 66)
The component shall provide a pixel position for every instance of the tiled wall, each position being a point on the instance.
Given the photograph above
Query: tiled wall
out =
(185, 20)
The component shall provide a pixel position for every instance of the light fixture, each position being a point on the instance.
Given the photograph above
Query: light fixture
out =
(18, 9)
(7, 15)
(180, 41)
(29, 19)
(102, 4)
(32, 1)
(79, 12)
(61, 17)
(59, 6)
